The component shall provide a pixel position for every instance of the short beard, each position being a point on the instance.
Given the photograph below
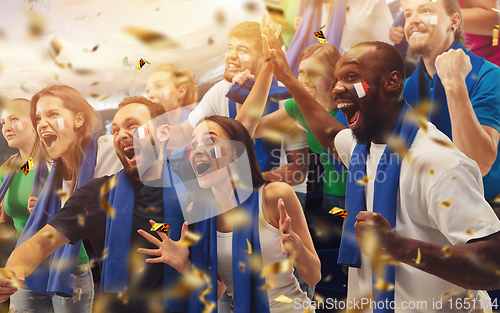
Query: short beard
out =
(421, 51)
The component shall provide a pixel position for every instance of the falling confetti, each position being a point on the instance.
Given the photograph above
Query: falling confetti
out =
(81, 220)
(7, 274)
(496, 10)
(27, 167)
(383, 285)
(95, 84)
(446, 143)
(36, 24)
(220, 17)
(83, 71)
(270, 283)
(123, 296)
(320, 36)
(210, 40)
(327, 278)
(241, 266)
(419, 257)
(49, 236)
(63, 195)
(470, 232)
(152, 210)
(141, 63)
(249, 250)
(447, 251)
(190, 238)
(431, 172)
(151, 38)
(55, 47)
(277, 268)
(283, 299)
(339, 212)
(241, 218)
(93, 49)
(445, 205)
(363, 181)
(251, 6)
(98, 97)
(110, 184)
(163, 227)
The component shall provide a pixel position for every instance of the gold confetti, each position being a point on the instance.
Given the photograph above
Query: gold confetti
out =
(447, 251)
(55, 47)
(495, 35)
(8, 274)
(339, 212)
(49, 236)
(220, 16)
(241, 218)
(383, 285)
(190, 238)
(308, 310)
(141, 63)
(445, 205)
(105, 253)
(470, 232)
(95, 84)
(270, 283)
(320, 36)
(123, 296)
(241, 266)
(446, 143)
(419, 257)
(363, 181)
(397, 145)
(496, 9)
(249, 250)
(93, 49)
(454, 177)
(152, 39)
(431, 172)
(62, 195)
(81, 220)
(110, 184)
(27, 167)
(283, 299)
(36, 24)
(277, 268)
(160, 227)
(83, 71)
(99, 97)
(152, 210)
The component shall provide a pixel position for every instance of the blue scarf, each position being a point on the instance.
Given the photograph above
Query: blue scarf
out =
(263, 148)
(57, 274)
(11, 172)
(385, 197)
(416, 90)
(118, 232)
(248, 295)
(304, 36)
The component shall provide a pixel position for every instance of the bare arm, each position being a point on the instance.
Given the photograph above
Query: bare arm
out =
(278, 121)
(479, 18)
(458, 265)
(477, 141)
(180, 135)
(31, 253)
(290, 219)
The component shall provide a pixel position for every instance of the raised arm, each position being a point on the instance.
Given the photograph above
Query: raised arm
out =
(180, 135)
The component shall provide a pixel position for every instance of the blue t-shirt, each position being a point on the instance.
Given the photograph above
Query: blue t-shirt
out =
(485, 99)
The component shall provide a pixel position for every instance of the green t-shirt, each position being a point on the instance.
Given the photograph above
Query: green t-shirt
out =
(334, 183)
(16, 205)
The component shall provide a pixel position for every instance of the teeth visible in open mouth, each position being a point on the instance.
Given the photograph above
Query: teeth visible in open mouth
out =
(202, 167)
(344, 105)
(232, 66)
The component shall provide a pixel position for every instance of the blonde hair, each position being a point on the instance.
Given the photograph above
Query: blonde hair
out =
(181, 78)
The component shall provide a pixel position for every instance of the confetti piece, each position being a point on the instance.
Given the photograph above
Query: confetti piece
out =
(210, 40)
(431, 172)
(251, 6)
(320, 36)
(61, 123)
(270, 283)
(419, 257)
(445, 205)
(83, 71)
(220, 16)
(99, 97)
(36, 24)
(447, 251)
(150, 38)
(308, 310)
(495, 35)
(110, 184)
(241, 266)
(470, 232)
(62, 195)
(141, 63)
(283, 299)
(190, 238)
(123, 296)
(454, 177)
(277, 268)
(55, 47)
(339, 212)
(241, 218)
(359, 89)
(327, 278)
(383, 285)
(105, 253)
(95, 84)
(446, 143)
(249, 250)
(273, 135)
(125, 61)
(49, 236)
(27, 167)
(363, 181)
(151, 210)
(218, 152)
(93, 49)
(163, 227)
(8, 274)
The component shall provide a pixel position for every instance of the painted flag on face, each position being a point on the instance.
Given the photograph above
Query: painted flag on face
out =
(359, 89)
(141, 132)
(19, 126)
(62, 123)
(218, 152)
(431, 20)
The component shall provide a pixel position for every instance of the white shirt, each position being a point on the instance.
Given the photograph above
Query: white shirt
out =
(435, 174)
(215, 102)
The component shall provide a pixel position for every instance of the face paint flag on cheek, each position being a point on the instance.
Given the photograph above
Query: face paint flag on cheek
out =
(19, 126)
(431, 20)
(141, 132)
(245, 57)
(218, 152)
(62, 123)
(165, 94)
(359, 89)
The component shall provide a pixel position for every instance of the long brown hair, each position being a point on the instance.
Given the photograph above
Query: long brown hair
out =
(237, 131)
(75, 102)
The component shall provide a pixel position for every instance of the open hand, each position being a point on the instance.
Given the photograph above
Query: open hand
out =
(169, 251)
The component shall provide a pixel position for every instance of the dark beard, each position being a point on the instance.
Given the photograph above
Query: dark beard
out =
(417, 52)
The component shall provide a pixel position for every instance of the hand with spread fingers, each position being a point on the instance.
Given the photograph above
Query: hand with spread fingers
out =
(287, 235)
(281, 69)
(169, 251)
